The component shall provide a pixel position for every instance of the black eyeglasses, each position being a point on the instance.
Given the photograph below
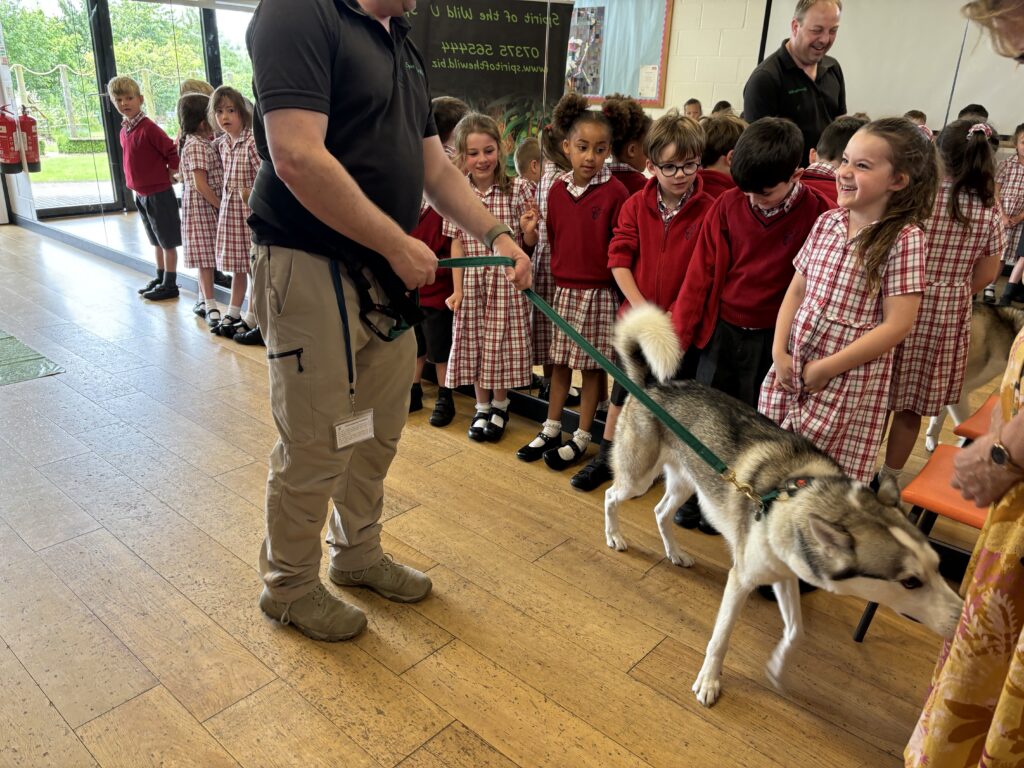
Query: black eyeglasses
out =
(671, 169)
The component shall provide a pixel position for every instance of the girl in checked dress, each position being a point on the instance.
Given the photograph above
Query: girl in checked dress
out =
(965, 242)
(491, 331)
(241, 162)
(858, 284)
(202, 179)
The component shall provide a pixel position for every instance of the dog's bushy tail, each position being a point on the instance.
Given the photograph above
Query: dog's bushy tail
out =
(647, 344)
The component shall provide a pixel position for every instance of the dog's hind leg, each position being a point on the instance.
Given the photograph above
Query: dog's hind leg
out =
(709, 680)
(787, 593)
(677, 491)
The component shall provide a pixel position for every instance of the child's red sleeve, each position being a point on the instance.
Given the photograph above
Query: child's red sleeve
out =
(166, 146)
(694, 299)
(625, 244)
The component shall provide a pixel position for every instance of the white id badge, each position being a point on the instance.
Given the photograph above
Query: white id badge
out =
(354, 429)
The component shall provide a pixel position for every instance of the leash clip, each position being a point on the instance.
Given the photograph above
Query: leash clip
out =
(747, 490)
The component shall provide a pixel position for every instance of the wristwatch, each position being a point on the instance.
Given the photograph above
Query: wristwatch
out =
(1001, 457)
(494, 233)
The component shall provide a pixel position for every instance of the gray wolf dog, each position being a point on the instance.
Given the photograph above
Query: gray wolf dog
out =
(825, 528)
(993, 330)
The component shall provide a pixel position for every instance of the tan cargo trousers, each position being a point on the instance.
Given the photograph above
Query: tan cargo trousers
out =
(297, 309)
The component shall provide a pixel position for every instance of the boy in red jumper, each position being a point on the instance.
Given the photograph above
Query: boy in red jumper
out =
(825, 158)
(720, 136)
(653, 243)
(742, 266)
(150, 158)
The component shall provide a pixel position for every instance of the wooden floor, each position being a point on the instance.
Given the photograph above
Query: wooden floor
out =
(130, 520)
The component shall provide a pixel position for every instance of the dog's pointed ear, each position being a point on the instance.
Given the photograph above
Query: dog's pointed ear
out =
(832, 537)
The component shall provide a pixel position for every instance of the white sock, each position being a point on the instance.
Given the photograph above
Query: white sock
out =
(501, 404)
(201, 302)
(250, 319)
(211, 305)
(481, 408)
(551, 429)
(582, 440)
(887, 471)
(235, 312)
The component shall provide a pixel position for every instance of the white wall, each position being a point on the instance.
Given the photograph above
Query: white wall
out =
(712, 50)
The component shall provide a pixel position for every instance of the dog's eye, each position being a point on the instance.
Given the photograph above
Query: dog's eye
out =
(912, 583)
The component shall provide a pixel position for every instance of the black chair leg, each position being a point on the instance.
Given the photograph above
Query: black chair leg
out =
(865, 622)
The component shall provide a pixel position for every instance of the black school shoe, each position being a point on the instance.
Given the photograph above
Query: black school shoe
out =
(477, 433)
(444, 408)
(416, 398)
(251, 338)
(493, 432)
(596, 473)
(161, 293)
(554, 460)
(151, 285)
(688, 515)
(230, 326)
(199, 308)
(529, 453)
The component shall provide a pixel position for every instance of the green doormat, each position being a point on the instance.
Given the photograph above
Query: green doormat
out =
(21, 363)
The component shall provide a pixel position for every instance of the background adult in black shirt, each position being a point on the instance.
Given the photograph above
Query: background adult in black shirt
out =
(344, 126)
(799, 81)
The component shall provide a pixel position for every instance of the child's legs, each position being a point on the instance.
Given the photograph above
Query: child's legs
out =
(442, 372)
(418, 374)
(482, 395)
(902, 437)
(170, 259)
(561, 376)
(592, 381)
(611, 421)
(1018, 270)
(158, 256)
(500, 395)
(238, 285)
(206, 283)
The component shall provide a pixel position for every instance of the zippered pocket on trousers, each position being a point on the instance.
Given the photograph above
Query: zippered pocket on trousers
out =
(296, 353)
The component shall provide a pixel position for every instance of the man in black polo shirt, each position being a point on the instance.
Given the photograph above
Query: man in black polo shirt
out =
(344, 127)
(798, 81)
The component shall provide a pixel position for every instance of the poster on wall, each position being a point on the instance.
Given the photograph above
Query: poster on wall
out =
(586, 39)
(493, 51)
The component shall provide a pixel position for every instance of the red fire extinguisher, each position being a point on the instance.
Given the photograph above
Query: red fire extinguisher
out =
(10, 157)
(30, 140)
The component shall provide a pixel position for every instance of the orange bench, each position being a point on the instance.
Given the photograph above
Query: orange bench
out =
(977, 423)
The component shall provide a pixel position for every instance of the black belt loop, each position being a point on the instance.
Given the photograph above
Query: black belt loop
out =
(339, 291)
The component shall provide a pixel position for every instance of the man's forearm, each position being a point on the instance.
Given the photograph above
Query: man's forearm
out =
(450, 196)
(326, 190)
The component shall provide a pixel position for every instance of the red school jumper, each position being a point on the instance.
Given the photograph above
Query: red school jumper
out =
(429, 232)
(742, 265)
(822, 177)
(148, 153)
(658, 255)
(715, 182)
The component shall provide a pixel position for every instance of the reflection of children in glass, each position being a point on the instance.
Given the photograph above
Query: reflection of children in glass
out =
(583, 62)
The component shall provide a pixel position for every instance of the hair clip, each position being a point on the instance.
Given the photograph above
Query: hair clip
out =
(928, 133)
(984, 128)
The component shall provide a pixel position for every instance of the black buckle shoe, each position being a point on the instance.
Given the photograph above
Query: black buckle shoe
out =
(554, 460)
(597, 472)
(251, 338)
(493, 432)
(161, 293)
(199, 308)
(688, 515)
(444, 408)
(477, 433)
(529, 453)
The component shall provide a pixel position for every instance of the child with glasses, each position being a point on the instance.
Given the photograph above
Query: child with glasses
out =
(652, 246)
(743, 265)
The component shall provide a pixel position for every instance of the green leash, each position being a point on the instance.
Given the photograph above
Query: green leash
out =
(627, 383)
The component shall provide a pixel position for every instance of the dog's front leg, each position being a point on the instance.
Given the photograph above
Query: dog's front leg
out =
(787, 593)
(709, 681)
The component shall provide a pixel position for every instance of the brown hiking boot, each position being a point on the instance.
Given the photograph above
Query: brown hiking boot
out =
(387, 578)
(317, 614)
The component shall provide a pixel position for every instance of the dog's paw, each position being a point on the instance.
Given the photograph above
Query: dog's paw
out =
(616, 541)
(707, 687)
(775, 670)
(681, 558)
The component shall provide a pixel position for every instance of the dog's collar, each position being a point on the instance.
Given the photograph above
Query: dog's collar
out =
(787, 489)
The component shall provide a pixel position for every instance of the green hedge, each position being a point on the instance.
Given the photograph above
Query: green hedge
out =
(69, 146)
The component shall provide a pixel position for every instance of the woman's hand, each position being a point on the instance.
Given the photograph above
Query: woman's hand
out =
(977, 477)
(816, 375)
(784, 372)
(454, 301)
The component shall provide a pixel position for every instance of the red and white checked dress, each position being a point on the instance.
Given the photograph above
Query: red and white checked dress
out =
(198, 217)
(1010, 178)
(543, 282)
(929, 366)
(240, 161)
(491, 330)
(591, 311)
(847, 418)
